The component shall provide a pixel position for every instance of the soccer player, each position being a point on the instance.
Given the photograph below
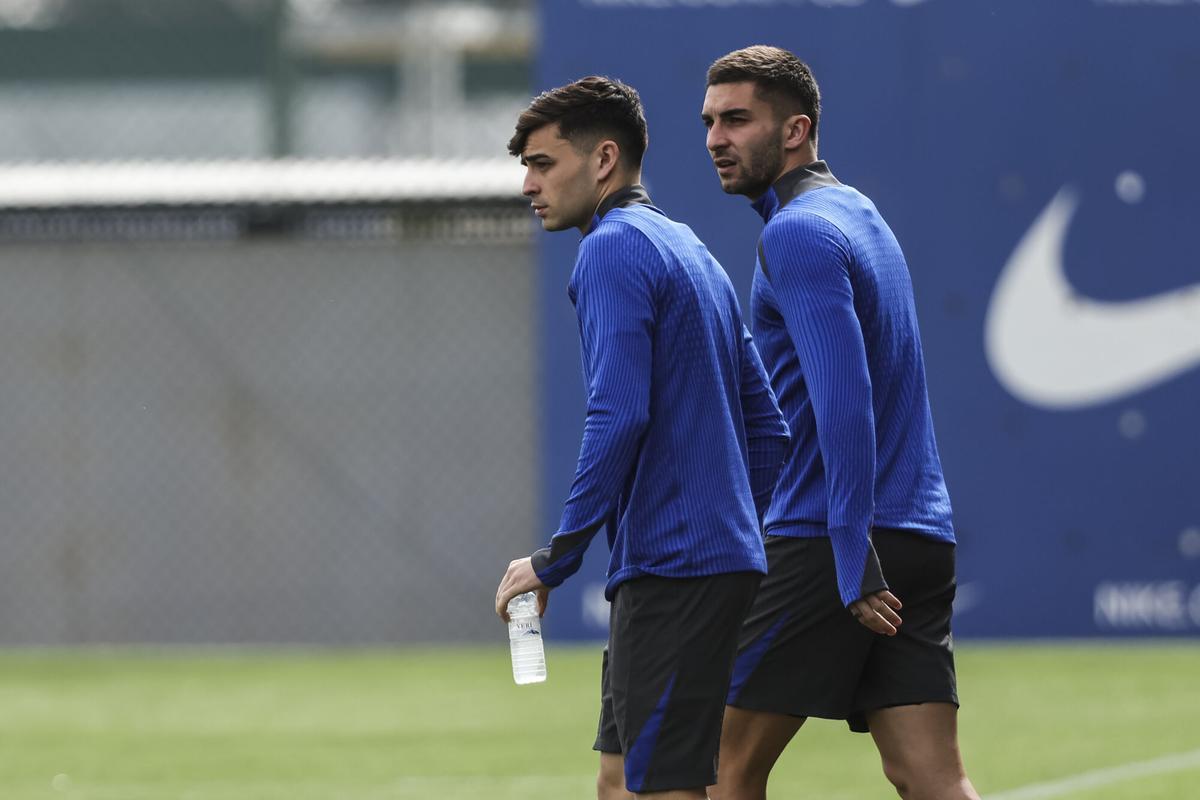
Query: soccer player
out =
(682, 444)
(861, 517)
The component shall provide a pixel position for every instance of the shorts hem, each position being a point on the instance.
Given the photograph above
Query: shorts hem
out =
(898, 703)
(775, 709)
(677, 782)
(858, 720)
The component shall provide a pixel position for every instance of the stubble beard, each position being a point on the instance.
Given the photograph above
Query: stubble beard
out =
(760, 168)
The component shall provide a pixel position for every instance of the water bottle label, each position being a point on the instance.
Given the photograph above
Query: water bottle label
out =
(520, 628)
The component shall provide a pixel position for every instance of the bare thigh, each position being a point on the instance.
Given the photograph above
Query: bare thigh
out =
(751, 743)
(610, 783)
(919, 748)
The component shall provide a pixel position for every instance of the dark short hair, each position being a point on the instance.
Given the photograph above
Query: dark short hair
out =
(586, 110)
(779, 77)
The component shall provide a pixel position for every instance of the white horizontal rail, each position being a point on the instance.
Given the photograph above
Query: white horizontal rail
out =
(188, 183)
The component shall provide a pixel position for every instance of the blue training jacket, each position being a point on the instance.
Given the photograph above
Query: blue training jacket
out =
(835, 321)
(683, 439)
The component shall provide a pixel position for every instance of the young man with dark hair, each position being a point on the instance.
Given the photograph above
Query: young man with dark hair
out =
(861, 516)
(682, 444)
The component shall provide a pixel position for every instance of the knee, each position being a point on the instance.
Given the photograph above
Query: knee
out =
(900, 776)
(928, 781)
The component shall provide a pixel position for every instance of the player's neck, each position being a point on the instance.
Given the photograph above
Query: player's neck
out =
(616, 182)
(794, 159)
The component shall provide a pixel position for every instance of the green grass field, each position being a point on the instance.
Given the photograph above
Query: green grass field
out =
(448, 724)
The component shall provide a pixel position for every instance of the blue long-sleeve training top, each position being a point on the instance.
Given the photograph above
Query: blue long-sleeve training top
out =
(683, 440)
(835, 322)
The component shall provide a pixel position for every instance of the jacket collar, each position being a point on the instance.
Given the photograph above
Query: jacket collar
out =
(627, 196)
(791, 185)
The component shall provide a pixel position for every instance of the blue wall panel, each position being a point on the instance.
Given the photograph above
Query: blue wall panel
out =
(1077, 503)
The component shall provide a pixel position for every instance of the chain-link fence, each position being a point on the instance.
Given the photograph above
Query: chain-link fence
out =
(248, 396)
(311, 424)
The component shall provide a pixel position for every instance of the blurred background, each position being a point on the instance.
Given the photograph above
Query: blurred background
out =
(221, 79)
(285, 361)
(267, 288)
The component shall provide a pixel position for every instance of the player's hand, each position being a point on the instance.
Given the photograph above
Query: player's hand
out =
(519, 579)
(877, 611)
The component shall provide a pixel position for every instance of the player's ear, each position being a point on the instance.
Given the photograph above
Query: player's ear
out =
(795, 130)
(608, 155)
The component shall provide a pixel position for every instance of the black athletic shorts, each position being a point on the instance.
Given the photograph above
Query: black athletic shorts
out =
(665, 676)
(802, 653)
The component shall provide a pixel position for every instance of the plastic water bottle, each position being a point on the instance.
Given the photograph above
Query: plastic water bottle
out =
(525, 639)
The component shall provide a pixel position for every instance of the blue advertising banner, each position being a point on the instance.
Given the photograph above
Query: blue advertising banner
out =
(1039, 164)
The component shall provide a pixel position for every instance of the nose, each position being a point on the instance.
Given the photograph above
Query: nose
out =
(530, 187)
(716, 138)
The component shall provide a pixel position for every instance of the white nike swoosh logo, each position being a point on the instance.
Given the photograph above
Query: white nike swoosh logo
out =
(1054, 348)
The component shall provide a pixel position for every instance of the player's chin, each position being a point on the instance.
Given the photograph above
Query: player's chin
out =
(732, 184)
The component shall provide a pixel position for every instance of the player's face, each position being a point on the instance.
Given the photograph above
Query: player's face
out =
(558, 180)
(745, 138)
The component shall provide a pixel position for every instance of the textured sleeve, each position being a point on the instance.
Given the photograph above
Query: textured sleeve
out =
(614, 299)
(767, 435)
(810, 272)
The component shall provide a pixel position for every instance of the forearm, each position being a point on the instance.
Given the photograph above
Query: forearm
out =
(609, 450)
(846, 435)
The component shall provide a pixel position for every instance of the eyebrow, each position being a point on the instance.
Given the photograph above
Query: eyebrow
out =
(726, 114)
(534, 157)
